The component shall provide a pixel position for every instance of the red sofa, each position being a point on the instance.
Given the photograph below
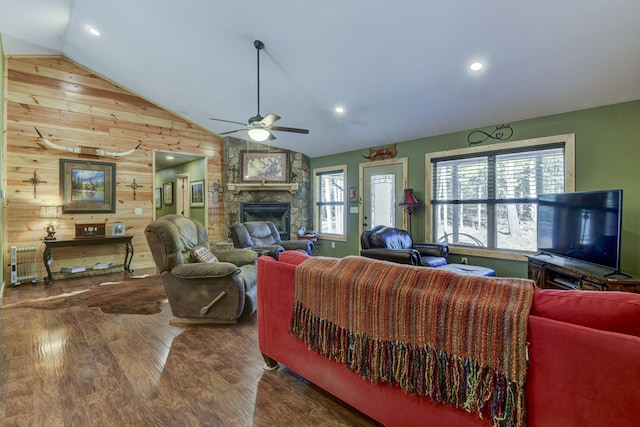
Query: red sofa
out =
(584, 359)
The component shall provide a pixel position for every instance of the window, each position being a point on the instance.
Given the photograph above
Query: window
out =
(383, 199)
(485, 197)
(330, 202)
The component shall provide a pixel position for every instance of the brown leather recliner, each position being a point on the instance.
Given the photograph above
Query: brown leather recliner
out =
(396, 245)
(193, 286)
(264, 235)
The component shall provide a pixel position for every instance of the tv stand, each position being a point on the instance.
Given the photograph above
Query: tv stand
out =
(617, 273)
(552, 272)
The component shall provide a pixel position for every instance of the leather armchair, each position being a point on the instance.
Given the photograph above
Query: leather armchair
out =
(263, 235)
(192, 286)
(396, 245)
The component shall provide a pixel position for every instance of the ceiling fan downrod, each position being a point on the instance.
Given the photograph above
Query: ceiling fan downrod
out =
(259, 46)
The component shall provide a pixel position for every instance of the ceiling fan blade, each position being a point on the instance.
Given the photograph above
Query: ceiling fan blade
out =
(232, 131)
(227, 121)
(286, 129)
(270, 119)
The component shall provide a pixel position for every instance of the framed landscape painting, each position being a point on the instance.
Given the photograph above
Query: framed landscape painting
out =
(87, 187)
(197, 194)
(265, 166)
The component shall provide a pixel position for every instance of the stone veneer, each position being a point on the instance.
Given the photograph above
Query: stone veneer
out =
(299, 171)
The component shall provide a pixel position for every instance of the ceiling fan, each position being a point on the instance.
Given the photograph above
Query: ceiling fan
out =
(259, 128)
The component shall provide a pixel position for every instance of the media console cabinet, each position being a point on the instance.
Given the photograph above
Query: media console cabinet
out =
(552, 272)
(51, 245)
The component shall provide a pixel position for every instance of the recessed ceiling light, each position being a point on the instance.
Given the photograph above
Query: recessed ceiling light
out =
(94, 31)
(170, 157)
(339, 110)
(476, 66)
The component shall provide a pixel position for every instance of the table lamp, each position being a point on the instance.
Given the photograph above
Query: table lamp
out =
(50, 212)
(409, 202)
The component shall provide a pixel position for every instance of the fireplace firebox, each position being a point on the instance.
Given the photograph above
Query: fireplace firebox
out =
(277, 213)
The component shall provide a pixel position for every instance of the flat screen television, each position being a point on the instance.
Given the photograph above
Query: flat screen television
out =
(584, 226)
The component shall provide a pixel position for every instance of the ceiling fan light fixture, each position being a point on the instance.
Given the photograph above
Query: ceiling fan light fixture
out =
(259, 134)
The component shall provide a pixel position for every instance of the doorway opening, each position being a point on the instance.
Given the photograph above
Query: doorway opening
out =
(175, 175)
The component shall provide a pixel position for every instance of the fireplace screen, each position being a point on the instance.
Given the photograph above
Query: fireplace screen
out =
(277, 213)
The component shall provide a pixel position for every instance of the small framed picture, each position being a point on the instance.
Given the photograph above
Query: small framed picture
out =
(167, 196)
(197, 194)
(353, 194)
(117, 229)
(158, 196)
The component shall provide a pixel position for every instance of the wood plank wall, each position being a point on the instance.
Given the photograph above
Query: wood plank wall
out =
(73, 106)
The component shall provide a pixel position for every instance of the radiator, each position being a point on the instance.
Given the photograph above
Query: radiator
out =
(23, 265)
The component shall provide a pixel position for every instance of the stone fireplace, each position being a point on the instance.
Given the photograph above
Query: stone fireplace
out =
(298, 202)
(277, 213)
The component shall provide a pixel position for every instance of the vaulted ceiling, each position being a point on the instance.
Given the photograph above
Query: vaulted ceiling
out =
(399, 69)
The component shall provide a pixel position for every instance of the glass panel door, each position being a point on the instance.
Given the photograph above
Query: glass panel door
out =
(382, 187)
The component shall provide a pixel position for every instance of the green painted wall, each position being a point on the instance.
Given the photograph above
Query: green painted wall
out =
(607, 157)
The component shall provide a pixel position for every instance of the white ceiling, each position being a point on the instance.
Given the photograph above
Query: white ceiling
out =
(400, 69)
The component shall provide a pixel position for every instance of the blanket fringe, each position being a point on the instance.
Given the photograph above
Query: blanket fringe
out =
(418, 369)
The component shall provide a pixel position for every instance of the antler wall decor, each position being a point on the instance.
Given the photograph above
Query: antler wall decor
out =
(381, 153)
(88, 151)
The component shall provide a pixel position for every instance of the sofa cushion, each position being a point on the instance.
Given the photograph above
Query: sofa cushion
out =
(202, 254)
(607, 311)
(475, 270)
(262, 233)
(433, 261)
(293, 257)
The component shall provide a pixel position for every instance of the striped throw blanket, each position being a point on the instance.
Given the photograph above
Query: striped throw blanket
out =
(458, 339)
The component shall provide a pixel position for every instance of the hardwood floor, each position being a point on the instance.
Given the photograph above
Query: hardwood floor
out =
(81, 367)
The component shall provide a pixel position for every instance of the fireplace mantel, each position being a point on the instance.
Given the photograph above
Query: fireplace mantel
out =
(263, 186)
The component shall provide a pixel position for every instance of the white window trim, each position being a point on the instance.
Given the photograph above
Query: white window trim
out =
(569, 141)
(345, 199)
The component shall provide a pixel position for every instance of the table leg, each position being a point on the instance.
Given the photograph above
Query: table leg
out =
(128, 256)
(47, 256)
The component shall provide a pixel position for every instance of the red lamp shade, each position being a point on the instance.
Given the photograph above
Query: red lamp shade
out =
(409, 199)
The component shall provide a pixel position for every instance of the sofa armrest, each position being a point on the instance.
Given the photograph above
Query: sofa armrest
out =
(274, 251)
(432, 249)
(565, 387)
(301, 245)
(203, 270)
(238, 257)
(400, 256)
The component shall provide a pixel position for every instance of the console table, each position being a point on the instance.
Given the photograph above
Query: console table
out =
(552, 272)
(51, 245)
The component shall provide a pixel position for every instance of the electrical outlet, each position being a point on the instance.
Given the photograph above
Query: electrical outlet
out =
(463, 260)
(333, 245)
